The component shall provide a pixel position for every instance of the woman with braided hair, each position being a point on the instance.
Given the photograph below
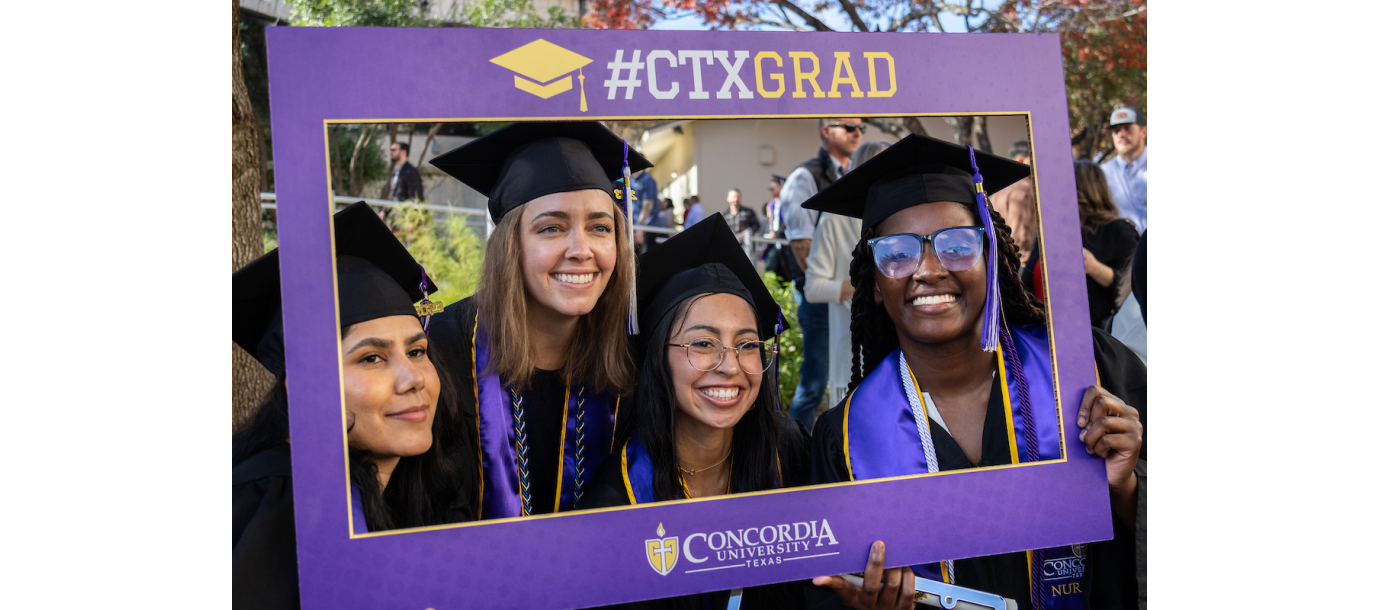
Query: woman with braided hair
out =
(952, 369)
(542, 347)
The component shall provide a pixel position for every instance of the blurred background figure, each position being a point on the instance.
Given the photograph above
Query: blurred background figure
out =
(1128, 324)
(1016, 204)
(664, 217)
(644, 187)
(771, 226)
(1109, 243)
(740, 219)
(827, 280)
(838, 139)
(1127, 172)
(405, 183)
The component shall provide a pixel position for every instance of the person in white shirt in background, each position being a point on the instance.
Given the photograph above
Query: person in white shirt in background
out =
(1128, 172)
(838, 139)
(826, 280)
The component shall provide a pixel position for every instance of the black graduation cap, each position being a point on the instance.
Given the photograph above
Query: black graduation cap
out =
(375, 277)
(918, 169)
(524, 161)
(706, 258)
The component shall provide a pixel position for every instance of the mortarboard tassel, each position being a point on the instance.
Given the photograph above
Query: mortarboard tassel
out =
(427, 306)
(991, 310)
(627, 216)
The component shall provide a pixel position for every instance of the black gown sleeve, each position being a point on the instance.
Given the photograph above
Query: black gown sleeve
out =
(1112, 564)
(449, 336)
(827, 461)
(606, 489)
(264, 563)
(1123, 374)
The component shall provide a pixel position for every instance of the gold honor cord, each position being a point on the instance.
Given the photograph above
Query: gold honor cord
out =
(583, 106)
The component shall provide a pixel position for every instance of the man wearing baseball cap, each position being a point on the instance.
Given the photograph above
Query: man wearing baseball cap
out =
(1127, 171)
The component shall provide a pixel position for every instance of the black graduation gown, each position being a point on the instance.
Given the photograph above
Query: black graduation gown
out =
(452, 333)
(265, 556)
(1111, 564)
(607, 489)
(1114, 245)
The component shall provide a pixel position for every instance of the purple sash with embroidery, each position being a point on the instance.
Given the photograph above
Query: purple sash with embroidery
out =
(880, 430)
(499, 488)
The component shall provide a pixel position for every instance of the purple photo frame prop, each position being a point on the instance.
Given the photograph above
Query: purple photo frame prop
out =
(347, 75)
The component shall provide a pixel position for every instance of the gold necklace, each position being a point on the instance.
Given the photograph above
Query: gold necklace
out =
(690, 472)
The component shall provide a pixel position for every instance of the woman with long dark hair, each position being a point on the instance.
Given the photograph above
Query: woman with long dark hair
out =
(951, 368)
(407, 441)
(541, 349)
(707, 419)
(1109, 242)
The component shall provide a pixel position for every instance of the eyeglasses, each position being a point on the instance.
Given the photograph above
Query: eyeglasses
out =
(849, 127)
(896, 256)
(707, 353)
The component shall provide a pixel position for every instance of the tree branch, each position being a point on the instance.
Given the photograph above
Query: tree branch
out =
(780, 24)
(852, 11)
(810, 20)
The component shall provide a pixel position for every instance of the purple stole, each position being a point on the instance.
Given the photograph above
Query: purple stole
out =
(499, 485)
(360, 526)
(880, 440)
(637, 472)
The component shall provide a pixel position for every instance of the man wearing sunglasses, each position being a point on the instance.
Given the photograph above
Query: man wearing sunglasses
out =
(838, 138)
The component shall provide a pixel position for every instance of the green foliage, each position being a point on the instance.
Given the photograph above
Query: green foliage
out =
(514, 14)
(450, 251)
(372, 163)
(791, 346)
(346, 13)
(270, 221)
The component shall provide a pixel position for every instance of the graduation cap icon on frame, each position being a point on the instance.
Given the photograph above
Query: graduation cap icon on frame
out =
(548, 66)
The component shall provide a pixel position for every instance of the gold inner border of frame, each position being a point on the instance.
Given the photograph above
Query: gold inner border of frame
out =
(1049, 322)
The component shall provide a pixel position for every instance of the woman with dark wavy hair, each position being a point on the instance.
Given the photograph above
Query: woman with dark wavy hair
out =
(952, 370)
(407, 442)
(706, 420)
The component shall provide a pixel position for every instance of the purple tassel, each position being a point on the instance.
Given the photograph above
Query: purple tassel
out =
(626, 208)
(426, 321)
(991, 310)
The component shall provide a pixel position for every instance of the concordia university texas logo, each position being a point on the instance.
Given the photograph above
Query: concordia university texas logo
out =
(752, 547)
(546, 70)
(662, 552)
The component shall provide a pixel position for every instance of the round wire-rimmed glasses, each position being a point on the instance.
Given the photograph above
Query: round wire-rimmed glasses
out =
(896, 256)
(707, 353)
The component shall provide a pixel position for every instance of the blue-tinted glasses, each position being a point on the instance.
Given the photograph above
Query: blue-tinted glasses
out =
(958, 248)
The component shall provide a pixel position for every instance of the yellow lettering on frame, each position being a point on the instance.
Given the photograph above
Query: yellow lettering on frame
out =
(842, 64)
(801, 76)
(872, 74)
(780, 80)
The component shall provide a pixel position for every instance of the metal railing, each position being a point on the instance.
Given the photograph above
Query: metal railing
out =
(270, 201)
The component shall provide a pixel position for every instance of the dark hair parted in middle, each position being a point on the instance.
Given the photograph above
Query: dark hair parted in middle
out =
(756, 437)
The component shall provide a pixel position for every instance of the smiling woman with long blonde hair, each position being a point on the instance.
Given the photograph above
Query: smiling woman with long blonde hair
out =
(542, 346)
